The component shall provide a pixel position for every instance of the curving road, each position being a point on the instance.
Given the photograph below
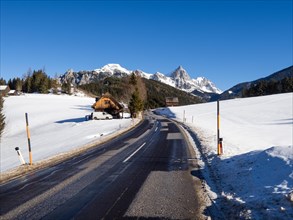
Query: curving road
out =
(142, 174)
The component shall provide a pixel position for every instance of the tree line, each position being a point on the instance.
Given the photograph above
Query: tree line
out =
(36, 81)
(269, 87)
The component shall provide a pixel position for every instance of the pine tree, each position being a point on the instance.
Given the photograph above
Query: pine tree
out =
(133, 79)
(66, 88)
(27, 85)
(2, 81)
(287, 84)
(37, 81)
(44, 85)
(15, 83)
(18, 84)
(135, 104)
(54, 85)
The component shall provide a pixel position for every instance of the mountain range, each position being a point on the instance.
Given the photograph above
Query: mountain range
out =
(179, 78)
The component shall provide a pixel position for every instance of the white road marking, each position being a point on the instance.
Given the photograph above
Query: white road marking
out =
(134, 153)
(156, 129)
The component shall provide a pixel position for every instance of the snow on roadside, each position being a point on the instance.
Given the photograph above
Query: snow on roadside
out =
(57, 125)
(254, 177)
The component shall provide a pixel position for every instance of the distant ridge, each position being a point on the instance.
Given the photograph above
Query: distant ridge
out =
(236, 91)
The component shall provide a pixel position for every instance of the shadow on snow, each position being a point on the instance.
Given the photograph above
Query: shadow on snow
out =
(72, 120)
(254, 174)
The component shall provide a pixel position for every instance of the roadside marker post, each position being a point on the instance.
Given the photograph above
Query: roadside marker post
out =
(219, 140)
(28, 139)
(20, 156)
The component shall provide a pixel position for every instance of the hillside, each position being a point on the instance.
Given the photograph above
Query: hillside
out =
(118, 87)
(157, 92)
(278, 82)
(153, 92)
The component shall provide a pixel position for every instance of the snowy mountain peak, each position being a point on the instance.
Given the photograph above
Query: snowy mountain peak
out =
(113, 68)
(180, 73)
(206, 85)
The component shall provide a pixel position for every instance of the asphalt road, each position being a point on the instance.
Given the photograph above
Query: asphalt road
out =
(143, 174)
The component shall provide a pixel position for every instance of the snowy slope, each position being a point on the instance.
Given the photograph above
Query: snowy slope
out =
(57, 124)
(255, 174)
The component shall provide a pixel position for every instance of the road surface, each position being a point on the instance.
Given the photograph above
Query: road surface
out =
(145, 173)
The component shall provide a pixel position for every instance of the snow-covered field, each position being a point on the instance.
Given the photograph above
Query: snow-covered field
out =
(57, 124)
(254, 176)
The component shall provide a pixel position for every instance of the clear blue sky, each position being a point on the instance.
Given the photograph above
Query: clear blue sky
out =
(227, 42)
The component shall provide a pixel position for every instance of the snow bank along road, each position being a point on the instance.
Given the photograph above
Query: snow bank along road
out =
(143, 173)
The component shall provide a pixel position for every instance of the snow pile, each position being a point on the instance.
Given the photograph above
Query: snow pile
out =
(254, 176)
(57, 124)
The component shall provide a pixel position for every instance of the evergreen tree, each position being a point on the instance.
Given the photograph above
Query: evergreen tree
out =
(135, 104)
(54, 85)
(18, 84)
(66, 88)
(37, 82)
(15, 84)
(133, 79)
(27, 85)
(2, 81)
(287, 84)
(44, 85)
(37, 79)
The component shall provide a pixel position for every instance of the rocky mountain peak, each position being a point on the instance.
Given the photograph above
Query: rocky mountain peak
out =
(180, 73)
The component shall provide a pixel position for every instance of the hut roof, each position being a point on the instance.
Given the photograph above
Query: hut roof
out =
(109, 96)
(98, 104)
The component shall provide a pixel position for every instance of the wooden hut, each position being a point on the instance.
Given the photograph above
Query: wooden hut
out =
(107, 103)
(172, 101)
(4, 90)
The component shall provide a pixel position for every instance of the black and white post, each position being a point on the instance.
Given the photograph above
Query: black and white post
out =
(20, 156)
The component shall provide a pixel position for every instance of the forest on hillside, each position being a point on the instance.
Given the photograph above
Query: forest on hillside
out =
(270, 87)
(152, 93)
